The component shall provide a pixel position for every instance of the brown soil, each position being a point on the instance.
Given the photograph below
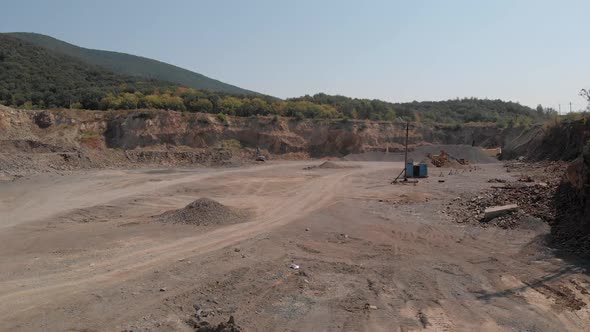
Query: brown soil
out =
(80, 252)
(329, 248)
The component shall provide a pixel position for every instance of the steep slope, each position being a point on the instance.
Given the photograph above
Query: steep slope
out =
(551, 141)
(29, 73)
(32, 73)
(128, 64)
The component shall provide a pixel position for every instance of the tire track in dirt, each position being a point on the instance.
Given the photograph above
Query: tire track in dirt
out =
(275, 211)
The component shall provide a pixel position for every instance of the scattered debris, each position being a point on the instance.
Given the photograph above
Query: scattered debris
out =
(534, 199)
(525, 178)
(163, 289)
(294, 266)
(497, 180)
(423, 319)
(204, 326)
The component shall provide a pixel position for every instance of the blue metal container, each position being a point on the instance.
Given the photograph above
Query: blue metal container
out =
(410, 170)
(423, 170)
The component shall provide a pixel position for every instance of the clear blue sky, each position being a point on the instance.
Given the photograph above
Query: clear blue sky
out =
(531, 51)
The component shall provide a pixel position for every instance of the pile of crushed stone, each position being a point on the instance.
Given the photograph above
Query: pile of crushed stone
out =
(330, 165)
(474, 154)
(203, 212)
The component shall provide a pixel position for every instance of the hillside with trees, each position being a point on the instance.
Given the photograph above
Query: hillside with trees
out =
(37, 77)
(456, 111)
(33, 77)
(127, 64)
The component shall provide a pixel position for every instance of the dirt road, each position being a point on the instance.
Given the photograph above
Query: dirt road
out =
(83, 252)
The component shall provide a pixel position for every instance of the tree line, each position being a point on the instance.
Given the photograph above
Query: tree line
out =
(32, 77)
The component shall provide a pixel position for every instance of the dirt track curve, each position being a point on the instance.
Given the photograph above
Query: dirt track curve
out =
(82, 252)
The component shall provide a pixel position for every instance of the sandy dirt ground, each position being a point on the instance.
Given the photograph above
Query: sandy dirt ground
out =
(83, 252)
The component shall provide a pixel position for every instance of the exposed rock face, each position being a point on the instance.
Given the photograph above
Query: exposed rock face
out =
(44, 119)
(149, 128)
(37, 140)
(129, 130)
(566, 141)
(563, 141)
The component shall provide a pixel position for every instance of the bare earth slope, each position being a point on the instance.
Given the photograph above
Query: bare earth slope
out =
(81, 252)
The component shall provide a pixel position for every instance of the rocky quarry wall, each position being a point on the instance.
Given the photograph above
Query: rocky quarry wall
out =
(53, 131)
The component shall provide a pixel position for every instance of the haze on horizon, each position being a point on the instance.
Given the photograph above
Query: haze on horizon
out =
(532, 52)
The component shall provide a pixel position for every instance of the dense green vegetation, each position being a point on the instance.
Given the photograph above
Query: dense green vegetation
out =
(127, 64)
(35, 77)
(31, 76)
(455, 111)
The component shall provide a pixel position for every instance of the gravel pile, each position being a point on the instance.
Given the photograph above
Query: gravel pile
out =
(330, 164)
(475, 155)
(203, 211)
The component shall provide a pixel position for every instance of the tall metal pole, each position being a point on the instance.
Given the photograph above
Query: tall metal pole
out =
(406, 154)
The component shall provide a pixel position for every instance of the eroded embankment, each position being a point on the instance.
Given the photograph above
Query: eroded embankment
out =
(74, 139)
(566, 141)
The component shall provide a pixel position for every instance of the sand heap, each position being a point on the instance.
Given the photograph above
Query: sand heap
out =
(203, 211)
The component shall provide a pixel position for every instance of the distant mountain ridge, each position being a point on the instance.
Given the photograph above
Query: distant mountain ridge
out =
(127, 64)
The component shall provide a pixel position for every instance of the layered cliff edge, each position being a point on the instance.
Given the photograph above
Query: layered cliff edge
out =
(70, 139)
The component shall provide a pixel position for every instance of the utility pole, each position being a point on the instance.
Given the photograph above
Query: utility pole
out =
(570, 106)
(406, 154)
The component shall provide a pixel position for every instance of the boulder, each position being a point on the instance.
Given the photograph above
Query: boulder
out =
(497, 211)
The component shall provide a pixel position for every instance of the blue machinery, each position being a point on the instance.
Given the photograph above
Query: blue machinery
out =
(416, 171)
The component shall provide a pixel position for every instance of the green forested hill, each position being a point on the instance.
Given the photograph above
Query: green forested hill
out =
(455, 111)
(32, 76)
(122, 63)
(36, 76)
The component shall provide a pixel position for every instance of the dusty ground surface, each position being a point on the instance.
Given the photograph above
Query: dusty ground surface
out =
(82, 252)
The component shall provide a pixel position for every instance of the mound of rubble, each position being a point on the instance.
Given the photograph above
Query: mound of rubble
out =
(534, 198)
(203, 211)
(204, 326)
